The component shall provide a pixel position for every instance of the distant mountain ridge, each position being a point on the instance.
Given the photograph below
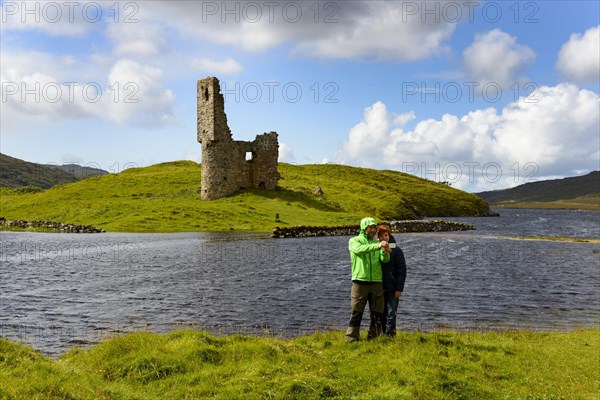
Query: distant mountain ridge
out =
(553, 190)
(15, 173)
(78, 171)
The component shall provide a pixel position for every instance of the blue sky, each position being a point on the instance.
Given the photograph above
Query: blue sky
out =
(482, 94)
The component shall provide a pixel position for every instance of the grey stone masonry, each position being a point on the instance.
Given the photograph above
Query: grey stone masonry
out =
(230, 165)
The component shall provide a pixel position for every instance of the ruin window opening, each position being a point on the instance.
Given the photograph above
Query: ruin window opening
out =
(206, 94)
(249, 156)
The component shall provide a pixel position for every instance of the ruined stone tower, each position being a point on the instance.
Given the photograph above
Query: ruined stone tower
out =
(229, 165)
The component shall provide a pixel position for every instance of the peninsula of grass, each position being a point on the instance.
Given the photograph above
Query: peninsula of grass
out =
(589, 202)
(554, 239)
(191, 364)
(165, 198)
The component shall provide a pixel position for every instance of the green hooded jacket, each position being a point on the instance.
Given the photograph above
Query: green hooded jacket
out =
(366, 256)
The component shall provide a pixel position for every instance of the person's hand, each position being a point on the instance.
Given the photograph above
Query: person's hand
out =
(397, 294)
(387, 250)
(383, 243)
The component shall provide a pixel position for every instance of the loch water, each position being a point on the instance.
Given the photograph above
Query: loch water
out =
(61, 290)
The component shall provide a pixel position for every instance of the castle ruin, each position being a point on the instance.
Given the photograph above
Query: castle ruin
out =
(230, 165)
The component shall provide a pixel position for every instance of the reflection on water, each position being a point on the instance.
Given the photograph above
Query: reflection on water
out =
(57, 290)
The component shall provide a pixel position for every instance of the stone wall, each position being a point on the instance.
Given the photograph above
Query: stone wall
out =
(352, 230)
(48, 226)
(230, 165)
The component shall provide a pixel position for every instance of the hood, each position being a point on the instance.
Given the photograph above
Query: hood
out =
(366, 222)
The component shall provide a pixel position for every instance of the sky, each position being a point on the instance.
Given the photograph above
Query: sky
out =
(483, 95)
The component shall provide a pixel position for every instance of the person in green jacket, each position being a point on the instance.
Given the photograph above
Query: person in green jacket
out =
(366, 255)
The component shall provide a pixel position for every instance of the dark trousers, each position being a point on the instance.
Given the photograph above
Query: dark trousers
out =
(390, 308)
(362, 294)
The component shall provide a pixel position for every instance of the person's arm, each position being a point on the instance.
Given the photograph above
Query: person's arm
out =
(356, 247)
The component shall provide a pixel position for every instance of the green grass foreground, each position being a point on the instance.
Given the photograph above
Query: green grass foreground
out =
(188, 364)
(165, 198)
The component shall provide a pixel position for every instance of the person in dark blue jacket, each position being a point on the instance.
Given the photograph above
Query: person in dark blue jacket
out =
(393, 276)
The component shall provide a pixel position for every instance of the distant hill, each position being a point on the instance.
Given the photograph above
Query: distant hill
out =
(573, 192)
(78, 171)
(166, 198)
(16, 173)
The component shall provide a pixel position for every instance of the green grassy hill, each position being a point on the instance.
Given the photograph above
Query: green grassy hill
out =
(15, 173)
(165, 198)
(580, 192)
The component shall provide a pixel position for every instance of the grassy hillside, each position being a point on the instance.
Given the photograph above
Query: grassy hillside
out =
(197, 365)
(15, 173)
(165, 198)
(581, 192)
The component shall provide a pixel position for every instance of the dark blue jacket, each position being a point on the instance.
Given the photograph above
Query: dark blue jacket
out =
(394, 271)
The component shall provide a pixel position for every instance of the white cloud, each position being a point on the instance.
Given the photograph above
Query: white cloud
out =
(286, 153)
(369, 139)
(377, 30)
(100, 59)
(39, 87)
(147, 39)
(229, 66)
(142, 99)
(496, 57)
(555, 136)
(358, 29)
(579, 58)
(380, 30)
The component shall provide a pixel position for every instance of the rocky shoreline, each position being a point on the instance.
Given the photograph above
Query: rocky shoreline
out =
(288, 232)
(48, 226)
(349, 230)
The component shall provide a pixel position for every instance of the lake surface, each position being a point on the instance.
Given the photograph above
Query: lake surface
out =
(60, 290)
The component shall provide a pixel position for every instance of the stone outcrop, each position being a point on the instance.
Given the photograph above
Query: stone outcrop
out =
(48, 226)
(230, 165)
(349, 230)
